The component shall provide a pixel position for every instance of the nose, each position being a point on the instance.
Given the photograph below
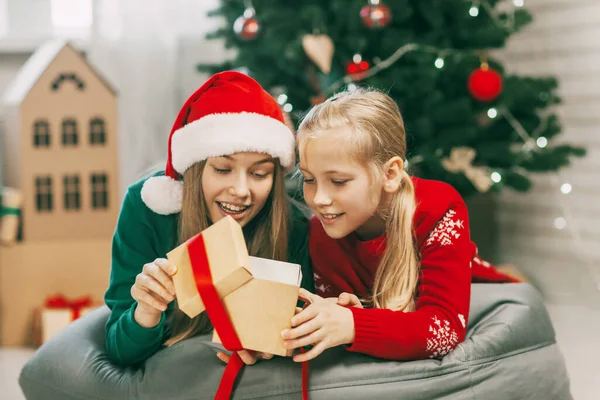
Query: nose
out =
(322, 198)
(239, 187)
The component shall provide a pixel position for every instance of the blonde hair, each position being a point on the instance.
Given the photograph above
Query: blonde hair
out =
(266, 236)
(377, 135)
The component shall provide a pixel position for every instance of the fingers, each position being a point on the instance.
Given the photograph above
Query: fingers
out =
(307, 296)
(314, 337)
(348, 299)
(146, 299)
(166, 266)
(306, 315)
(223, 357)
(312, 353)
(148, 284)
(248, 357)
(302, 330)
(158, 270)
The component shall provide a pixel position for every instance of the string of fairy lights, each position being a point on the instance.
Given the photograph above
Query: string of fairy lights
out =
(502, 14)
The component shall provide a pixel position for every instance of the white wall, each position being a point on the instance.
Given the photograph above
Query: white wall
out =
(150, 57)
(563, 41)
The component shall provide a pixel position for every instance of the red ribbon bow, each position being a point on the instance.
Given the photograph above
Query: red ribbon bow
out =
(220, 319)
(58, 301)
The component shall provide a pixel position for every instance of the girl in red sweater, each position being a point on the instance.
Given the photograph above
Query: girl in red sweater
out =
(400, 244)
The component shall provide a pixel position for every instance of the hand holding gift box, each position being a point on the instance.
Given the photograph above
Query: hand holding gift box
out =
(249, 300)
(258, 295)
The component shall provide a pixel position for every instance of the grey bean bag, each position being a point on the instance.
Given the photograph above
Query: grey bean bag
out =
(510, 353)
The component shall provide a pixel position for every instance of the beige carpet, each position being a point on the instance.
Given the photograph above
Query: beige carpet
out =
(11, 362)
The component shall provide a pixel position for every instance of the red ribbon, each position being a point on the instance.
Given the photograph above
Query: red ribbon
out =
(304, 377)
(59, 301)
(217, 314)
(221, 321)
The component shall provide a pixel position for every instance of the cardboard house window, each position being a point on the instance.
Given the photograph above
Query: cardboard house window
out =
(97, 131)
(62, 78)
(99, 191)
(72, 193)
(41, 134)
(69, 132)
(43, 193)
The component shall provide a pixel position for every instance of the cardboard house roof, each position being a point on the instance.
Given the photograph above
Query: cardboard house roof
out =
(36, 65)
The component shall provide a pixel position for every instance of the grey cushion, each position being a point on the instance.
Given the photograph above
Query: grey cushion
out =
(510, 353)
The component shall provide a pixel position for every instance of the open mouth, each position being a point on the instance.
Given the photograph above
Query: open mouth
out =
(330, 218)
(232, 209)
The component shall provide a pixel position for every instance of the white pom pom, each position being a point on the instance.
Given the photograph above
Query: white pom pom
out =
(163, 194)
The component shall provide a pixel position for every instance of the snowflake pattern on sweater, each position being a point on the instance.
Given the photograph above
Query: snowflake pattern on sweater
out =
(443, 338)
(438, 322)
(321, 288)
(446, 230)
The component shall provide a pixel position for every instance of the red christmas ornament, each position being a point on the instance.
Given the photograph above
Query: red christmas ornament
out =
(247, 26)
(375, 14)
(357, 67)
(485, 83)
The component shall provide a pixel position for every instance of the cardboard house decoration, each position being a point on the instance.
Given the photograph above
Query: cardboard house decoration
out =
(60, 145)
(60, 151)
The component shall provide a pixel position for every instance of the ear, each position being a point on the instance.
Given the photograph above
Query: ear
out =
(393, 174)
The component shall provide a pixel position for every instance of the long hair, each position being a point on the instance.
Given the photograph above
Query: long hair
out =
(377, 135)
(266, 236)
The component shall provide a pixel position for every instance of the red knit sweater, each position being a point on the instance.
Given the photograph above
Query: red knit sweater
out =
(438, 324)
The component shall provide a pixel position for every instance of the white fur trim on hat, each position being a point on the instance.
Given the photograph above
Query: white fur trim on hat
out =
(221, 134)
(163, 194)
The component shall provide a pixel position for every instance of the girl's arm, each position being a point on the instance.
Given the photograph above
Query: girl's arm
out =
(439, 321)
(127, 342)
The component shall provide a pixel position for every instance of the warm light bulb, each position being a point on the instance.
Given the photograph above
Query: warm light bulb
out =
(496, 177)
(474, 11)
(566, 188)
(439, 63)
(288, 107)
(541, 142)
(560, 223)
(282, 98)
(492, 113)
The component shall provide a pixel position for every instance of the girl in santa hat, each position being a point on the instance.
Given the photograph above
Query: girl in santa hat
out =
(399, 243)
(228, 152)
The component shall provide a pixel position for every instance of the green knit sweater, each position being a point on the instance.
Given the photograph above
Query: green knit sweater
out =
(142, 236)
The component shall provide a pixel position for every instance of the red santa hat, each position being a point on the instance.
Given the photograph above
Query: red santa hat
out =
(230, 113)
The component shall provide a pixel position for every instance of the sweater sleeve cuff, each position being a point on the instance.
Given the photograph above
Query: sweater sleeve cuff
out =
(366, 330)
(139, 334)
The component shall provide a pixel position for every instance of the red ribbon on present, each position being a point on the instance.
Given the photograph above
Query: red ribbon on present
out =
(59, 301)
(221, 321)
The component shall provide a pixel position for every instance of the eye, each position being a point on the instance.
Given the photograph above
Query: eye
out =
(339, 183)
(260, 175)
(221, 171)
(307, 180)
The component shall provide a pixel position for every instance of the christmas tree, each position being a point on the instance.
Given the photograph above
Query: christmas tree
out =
(468, 122)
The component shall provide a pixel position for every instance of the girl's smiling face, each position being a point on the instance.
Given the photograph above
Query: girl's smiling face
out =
(342, 192)
(237, 185)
